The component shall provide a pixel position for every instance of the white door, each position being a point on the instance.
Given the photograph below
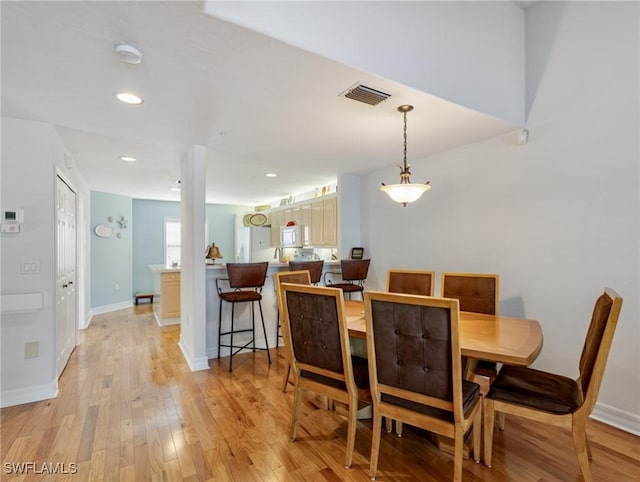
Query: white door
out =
(66, 288)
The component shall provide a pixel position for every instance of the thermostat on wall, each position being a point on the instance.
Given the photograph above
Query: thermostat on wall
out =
(11, 220)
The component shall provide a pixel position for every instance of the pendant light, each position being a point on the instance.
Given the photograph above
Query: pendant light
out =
(405, 192)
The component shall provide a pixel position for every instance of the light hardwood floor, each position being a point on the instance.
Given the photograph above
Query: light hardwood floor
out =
(129, 409)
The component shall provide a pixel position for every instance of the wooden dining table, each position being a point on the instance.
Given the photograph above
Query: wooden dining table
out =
(497, 338)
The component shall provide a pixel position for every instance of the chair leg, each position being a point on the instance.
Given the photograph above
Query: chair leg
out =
(375, 444)
(277, 329)
(489, 416)
(286, 377)
(297, 399)
(219, 325)
(458, 450)
(388, 422)
(580, 442)
(398, 428)
(253, 326)
(477, 435)
(351, 430)
(264, 330)
(501, 421)
(233, 312)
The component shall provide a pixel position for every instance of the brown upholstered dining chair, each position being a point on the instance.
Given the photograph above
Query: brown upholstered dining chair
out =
(246, 281)
(410, 282)
(477, 293)
(300, 277)
(320, 353)
(415, 370)
(314, 268)
(555, 399)
(353, 272)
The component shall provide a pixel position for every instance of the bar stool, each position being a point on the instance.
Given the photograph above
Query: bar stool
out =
(353, 272)
(314, 268)
(246, 281)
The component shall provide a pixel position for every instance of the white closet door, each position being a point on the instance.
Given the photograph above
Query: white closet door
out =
(66, 312)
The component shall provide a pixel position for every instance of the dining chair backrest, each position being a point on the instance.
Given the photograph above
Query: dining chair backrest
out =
(318, 333)
(314, 268)
(411, 282)
(354, 269)
(247, 275)
(413, 346)
(300, 277)
(597, 345)
(477, 292)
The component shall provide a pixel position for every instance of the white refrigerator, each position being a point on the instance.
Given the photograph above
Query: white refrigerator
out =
(253, 244)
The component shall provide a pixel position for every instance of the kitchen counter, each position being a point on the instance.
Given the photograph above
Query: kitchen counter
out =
(214, 271)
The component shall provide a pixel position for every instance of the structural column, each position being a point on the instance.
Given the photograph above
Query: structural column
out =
(193, 333)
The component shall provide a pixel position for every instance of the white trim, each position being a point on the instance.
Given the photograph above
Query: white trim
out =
(195, 364)
(33, 393)
(166, 321)
(627, 421)
(98, 310)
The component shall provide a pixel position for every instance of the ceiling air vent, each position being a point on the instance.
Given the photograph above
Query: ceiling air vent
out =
(365, 94)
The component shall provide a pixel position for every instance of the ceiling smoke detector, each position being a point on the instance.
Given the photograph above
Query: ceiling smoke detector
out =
(128, 53)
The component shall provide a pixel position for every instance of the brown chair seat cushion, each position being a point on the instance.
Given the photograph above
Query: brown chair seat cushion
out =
(360, 375)
(241, 296)
(536, 389)
(470, 394)
(348, 287)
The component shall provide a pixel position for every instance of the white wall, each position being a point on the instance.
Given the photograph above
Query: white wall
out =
(471, 53)
(31, 151)
(558, 218)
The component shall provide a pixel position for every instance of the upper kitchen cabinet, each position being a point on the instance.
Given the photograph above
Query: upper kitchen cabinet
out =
(324, 222)
(318, 216)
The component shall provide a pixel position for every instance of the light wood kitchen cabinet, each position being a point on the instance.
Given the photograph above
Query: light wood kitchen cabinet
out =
(330, 221)
(318, 216)
(170, 295)
(277, 217)
(324, 217)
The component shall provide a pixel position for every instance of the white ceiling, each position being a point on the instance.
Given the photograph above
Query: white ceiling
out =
(259, 105)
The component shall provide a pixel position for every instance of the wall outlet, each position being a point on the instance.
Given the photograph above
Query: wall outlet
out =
(31, 349)
(30, 267)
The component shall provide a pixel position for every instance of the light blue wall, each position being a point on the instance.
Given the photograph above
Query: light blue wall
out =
(148, 234)
(148, 238)
(111, 258)
(221, 227)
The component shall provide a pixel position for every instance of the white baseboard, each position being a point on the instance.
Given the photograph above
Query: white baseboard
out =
(627, 421)
(98, 310)
(195, 364)
(165, 321)
(34, 393)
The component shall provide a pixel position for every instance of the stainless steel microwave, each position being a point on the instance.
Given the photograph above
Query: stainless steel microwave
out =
(292, 236)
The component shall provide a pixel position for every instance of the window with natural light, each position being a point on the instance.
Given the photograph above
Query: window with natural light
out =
(172, 242)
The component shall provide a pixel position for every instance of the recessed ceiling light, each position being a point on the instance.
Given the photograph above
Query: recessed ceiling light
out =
(271, 174)
(128, 98)
(128, 159)
(174, 189)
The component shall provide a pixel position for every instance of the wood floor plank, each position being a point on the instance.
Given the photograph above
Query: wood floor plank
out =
(129, 409)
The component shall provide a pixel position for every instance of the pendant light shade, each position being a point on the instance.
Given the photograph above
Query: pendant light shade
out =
(405, 192)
